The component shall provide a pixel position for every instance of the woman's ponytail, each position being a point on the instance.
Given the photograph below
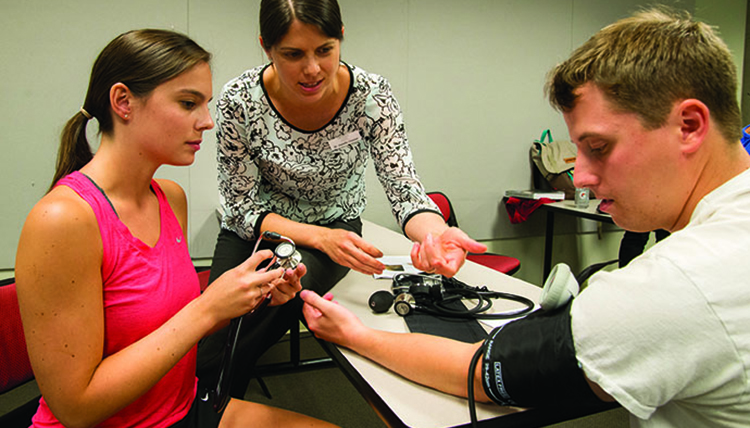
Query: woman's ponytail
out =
(74, 151)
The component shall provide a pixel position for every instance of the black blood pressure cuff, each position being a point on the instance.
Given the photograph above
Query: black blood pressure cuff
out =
(532, 363)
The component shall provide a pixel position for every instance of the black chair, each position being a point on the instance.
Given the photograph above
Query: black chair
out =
(505, 264)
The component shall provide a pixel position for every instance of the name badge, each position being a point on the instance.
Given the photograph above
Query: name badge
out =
(344, 140)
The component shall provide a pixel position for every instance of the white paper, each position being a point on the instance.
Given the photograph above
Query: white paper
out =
(395, 265)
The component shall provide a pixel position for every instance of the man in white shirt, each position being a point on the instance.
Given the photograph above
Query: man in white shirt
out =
(651, 104)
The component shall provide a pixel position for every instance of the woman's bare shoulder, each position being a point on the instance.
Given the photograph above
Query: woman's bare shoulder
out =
(61, 208)
(177, 200)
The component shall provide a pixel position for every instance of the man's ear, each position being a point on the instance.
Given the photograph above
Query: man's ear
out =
(694, 120)
(120, 98)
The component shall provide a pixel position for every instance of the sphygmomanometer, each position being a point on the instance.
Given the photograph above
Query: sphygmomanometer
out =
(531, 362)
(528, 362)
(435, 295)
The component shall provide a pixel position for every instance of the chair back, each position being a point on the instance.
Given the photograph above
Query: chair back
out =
(15, 367)
(203, 276)
(505, 264)
(446, 209)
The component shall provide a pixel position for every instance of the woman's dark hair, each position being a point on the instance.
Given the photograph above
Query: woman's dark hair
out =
(277, 15)
(139, 59)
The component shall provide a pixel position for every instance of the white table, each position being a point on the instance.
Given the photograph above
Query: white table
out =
(398, 401)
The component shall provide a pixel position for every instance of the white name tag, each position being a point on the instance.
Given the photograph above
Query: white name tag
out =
(344, 140)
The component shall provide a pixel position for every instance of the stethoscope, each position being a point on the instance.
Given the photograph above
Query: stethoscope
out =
(285, 256)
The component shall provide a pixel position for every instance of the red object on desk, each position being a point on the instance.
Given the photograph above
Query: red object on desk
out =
(520, 209)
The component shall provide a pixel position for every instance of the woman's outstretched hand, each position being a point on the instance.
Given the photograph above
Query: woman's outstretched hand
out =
(445, 253)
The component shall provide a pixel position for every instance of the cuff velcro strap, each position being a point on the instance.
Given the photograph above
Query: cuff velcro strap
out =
(531, 363)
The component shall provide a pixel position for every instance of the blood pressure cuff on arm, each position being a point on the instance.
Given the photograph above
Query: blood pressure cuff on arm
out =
(532, 363)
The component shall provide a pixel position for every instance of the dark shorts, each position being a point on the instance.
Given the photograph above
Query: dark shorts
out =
(201, 414)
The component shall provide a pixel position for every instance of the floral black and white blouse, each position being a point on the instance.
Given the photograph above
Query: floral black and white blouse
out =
(266, 165)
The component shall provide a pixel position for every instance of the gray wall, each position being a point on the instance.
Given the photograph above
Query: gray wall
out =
(468, 75)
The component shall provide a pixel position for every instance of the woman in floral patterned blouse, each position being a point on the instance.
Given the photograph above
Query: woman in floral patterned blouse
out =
(294, 137)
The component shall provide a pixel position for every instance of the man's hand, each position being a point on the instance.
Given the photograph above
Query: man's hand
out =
(285, 288)
(330, 321)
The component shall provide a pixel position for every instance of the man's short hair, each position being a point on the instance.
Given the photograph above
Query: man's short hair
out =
(647, 62)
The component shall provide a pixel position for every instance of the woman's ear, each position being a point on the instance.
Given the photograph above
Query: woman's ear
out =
(267, 51)
(694, 119)
(120, 98)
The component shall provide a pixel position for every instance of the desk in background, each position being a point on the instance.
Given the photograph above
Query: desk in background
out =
(568, 208)
(402, 403)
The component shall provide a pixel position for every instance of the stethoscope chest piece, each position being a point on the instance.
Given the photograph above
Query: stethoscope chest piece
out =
(287, 255)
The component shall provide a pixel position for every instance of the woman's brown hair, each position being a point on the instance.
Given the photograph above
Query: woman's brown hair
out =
(139, 59)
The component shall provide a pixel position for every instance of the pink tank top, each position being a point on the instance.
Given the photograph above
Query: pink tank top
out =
(143, 288)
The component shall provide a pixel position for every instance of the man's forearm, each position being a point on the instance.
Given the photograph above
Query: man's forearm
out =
(432, 361)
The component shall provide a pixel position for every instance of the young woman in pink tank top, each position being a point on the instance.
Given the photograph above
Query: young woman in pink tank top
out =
(109, 297)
